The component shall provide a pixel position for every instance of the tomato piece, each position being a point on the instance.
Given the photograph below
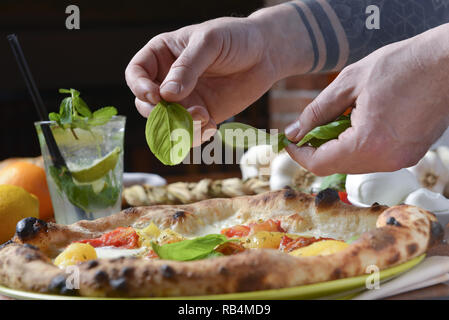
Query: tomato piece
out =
(270, 225)
(300, 242)
(229, 248)
(343, 197)
(152, 255)
(126, 238)
(284, 242)
(236, 231)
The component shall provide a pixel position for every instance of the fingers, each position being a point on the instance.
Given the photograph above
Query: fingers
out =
(140, 75)
(143, 107)
(335, 156)
(185, 71)
(326, 107)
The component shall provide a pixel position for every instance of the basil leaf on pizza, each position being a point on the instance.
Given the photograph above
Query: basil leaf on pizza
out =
(169, 132)
(193, 249)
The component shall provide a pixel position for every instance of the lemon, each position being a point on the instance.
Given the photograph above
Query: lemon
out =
(320, 248)
(15, 205)
(98, 169)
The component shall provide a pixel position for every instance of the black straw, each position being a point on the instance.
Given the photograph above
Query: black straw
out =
(55, 153)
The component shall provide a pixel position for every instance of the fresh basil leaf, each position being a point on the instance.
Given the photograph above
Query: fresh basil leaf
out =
(169, 132)
(240, 135)
(281, 143)
(66, 111)
(84, 196)
(336, 181)
(319, 135)
(188, 250)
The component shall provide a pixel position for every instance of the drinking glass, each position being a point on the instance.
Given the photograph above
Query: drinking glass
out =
(90, 186)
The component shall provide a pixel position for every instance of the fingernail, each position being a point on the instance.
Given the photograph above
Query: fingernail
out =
(172, 87)
(292, 130)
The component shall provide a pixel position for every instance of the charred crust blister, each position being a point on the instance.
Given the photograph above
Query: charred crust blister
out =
(179, 215)
(391, 221)
(167, 271)
(436, 233)
(119, 284)
(289, 194)
(91, 264)
(29, 227)
(412, 248)
(326, 197)
(101, 276)
(127, 271)
(58, 285)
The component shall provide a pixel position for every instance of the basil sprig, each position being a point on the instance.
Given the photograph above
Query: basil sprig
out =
(336, 181)
(74, 113)
(239, 135)
(192, 249)
(322, 134)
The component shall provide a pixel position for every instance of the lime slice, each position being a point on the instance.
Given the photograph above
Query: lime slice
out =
(99, 168)
(97, 185)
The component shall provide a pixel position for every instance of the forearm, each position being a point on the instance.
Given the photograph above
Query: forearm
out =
(322, 35)
(287, 42)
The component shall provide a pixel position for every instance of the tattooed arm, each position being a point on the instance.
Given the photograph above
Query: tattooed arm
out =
(338, 33)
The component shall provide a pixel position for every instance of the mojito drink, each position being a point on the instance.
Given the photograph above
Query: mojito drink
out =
(90, 186)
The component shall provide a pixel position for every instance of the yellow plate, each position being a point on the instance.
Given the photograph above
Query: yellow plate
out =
(336, 289)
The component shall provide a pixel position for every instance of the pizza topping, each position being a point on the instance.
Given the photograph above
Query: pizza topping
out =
(289, 244)
(192, 249)
(121, 237)
(75, 253)
(264, 239)
(320, 248)
(240, 231)
(230, 248)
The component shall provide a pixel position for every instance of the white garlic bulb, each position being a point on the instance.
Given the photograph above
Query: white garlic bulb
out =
(431, 172)
(283, 171)
(256, 162)
(432, 201)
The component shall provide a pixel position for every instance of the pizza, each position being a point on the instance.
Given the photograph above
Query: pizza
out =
(273, 240)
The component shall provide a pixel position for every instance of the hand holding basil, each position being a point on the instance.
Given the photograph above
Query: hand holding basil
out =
(169, 132)
(239, 135)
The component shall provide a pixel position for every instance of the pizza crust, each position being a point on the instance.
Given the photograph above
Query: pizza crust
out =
(402, 233)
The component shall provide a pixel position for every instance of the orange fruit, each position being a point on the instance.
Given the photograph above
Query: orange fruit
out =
(31, 178)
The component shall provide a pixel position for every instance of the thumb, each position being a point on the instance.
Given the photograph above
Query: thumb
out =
(326, 107)
(185, 71)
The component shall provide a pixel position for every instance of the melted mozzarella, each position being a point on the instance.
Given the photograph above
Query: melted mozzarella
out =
(113, 252)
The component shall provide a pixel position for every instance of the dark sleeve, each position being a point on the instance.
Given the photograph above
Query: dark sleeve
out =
(399, 20)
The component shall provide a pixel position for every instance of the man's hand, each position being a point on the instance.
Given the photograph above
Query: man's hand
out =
(217, 68)
(401, 98)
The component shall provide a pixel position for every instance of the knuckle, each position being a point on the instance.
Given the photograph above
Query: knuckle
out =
(315, 112)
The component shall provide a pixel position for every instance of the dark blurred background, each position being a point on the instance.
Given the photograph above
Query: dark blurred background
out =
(93, 60)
